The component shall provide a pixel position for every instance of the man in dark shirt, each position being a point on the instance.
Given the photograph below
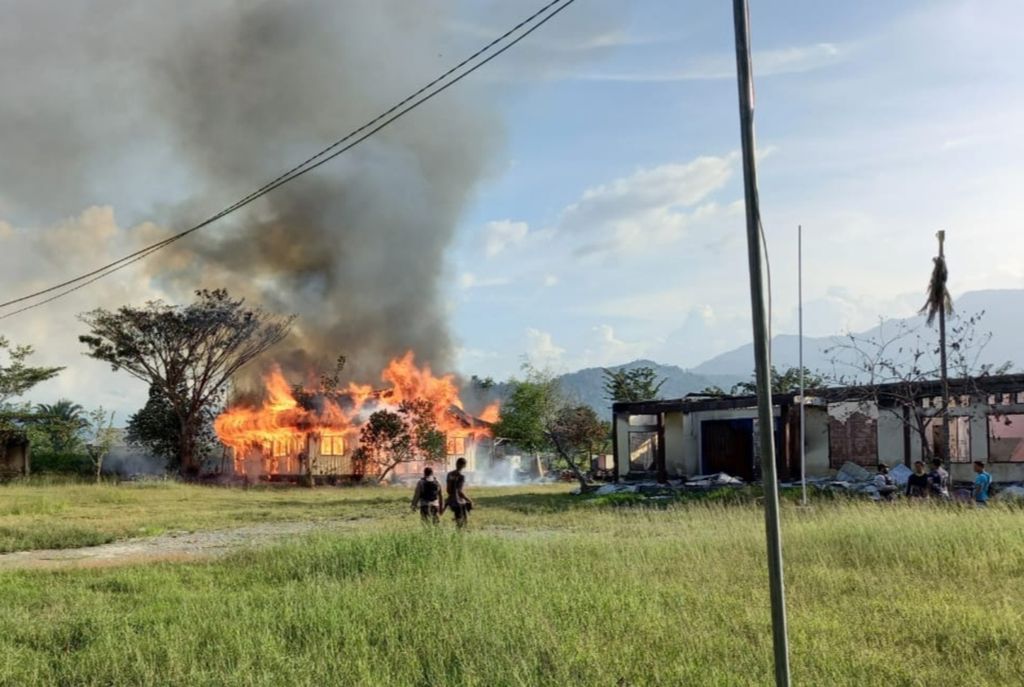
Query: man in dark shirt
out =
(917, 483)
(457, 499)
(427, 497)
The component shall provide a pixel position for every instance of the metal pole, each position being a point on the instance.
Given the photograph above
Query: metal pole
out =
(800, 318)
(762, 374)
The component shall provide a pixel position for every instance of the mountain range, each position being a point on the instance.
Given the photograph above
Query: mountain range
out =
(1003, 318)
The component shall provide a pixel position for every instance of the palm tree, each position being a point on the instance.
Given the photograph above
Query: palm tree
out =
(62, 422)
(940, 303)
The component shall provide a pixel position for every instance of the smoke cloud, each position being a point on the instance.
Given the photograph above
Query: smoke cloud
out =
(192, 106)
(358, 249)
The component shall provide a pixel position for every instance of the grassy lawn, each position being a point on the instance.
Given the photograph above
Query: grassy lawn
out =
(544, 590)
(42, 514)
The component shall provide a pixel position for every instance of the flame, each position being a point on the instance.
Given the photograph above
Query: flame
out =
(277, 431)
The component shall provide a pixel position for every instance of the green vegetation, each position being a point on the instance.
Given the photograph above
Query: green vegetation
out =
(545, 589)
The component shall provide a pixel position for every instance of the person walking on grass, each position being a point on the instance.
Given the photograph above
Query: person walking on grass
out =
(917, 483)
(982, 484)
(885, 483)
(428, 497)
(457, 499)
(938, 480)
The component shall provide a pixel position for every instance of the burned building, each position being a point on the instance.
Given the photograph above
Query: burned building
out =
(887, 423)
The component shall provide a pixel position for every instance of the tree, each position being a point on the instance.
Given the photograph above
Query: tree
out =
(156, 428)
(189, 353)
(637, 384)
(940, 303)
(62, 423)
(787, 382)
(17, 377)
(538, 418)
(574, 431)
(102, 436)
(530, 407)
(391, 438)
(892, 369)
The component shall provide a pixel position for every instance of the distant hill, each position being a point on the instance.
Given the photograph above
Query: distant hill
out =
(587, 386)
(1004, 318)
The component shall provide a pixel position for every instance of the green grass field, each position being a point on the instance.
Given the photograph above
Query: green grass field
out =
(545, 589)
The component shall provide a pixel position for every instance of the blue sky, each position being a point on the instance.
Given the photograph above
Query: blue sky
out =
(615, 229)
(609, 223)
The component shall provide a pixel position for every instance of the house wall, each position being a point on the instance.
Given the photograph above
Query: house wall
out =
(680, 446)
(891, 445)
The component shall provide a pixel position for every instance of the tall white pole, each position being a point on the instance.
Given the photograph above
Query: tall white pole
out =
(762, 370)
(800, 318)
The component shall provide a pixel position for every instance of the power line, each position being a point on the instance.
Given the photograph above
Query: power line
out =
(353, 138)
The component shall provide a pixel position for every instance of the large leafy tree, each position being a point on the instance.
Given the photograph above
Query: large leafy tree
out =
(16, 375)
(538, 418)
(390, 438)
(188, 352)
(530, 407)
(156, 428)
(629, 385)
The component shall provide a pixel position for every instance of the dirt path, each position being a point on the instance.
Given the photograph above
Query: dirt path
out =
(165, 547)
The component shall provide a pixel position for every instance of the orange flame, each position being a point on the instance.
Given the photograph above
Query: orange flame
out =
(281, 425)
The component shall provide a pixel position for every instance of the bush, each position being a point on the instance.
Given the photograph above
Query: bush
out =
(62, 464)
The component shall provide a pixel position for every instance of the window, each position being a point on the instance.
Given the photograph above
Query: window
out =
(959, 437)
(1006, 438)
(281, 447)
(332, 445)
(643, 447)
(456, 446)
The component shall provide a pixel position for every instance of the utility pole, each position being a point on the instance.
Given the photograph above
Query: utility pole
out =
(800, 318)
(762, 372)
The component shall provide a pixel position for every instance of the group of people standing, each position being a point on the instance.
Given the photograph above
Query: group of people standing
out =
(932, 484)
(432, 504)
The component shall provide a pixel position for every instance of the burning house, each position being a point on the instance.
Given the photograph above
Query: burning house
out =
(293, 434)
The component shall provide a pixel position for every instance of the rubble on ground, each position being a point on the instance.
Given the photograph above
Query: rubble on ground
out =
(850, 479)
(901, 474)
(718, 479)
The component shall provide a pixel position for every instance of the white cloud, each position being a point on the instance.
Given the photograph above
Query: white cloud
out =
(37, 257)
(502, 234)
(550, 280)
(541, 350)
(468, 280)
(791, 60)
(646, 208)
(611, 350)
